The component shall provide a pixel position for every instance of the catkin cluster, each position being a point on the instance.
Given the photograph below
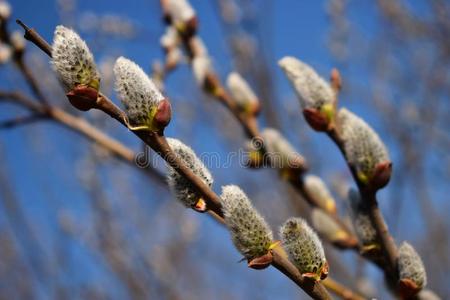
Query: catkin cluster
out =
(249, 231)
(279, 153)
(313, 91)
(144, 104)
(362, 224)
(317, 189)
(73, 61)
(317, 98)
(410, 267)
(242, 93)
(179, 185)
(363, 148)
(304, 248)
(327, 227)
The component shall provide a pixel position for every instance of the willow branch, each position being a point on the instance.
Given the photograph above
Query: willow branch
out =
(18, 58)
(159, 144)
(251, 129)
(386, 241)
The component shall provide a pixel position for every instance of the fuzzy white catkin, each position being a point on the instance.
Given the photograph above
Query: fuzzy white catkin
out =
(175, 55)
(179, 185)
(170, 38)
(72, 59)
(201, 66)
(5, 10)
(303, 246)
(5, 53)
(280, 151)
(362, 224)
(326, 226)
(136, 90)
(180, 10)
(315, 186)
(17, 40)
(312, 90)
(249, 231)
(362, 145)
(240, 90)
(410, 265)
(199, 46)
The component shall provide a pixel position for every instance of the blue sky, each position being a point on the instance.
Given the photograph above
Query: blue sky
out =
(45, 176)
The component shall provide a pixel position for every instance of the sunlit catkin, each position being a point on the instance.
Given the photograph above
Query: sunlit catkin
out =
(328, 227)
(180, 186)
(364, 150)
(282, 154)
(315, 94)
(72, 60)
(249, 231)
(242, 93)
(317, 189)
(304, 248)
(362, 224)
(144, 104)
(411, 270)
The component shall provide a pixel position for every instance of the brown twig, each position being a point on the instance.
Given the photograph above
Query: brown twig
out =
(32, 36)
(18, 58)
(158, 143)
(29, 77)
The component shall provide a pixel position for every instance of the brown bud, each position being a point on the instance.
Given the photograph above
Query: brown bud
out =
(381, 175)
(191, 27)
(163, 114)
(407, 288)
(316, 119)
(83, 97)
(261, 262)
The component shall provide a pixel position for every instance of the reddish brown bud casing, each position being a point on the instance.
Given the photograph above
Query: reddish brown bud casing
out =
(316, 119)
(191, 26)
(407, 288)
(381, 176)
(163, 114)
(261, 262)
(83, 97)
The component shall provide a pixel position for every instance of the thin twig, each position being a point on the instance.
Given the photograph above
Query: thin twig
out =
(35, 38)
(22, 120)
(340, 290)
(18, 58)
(29, 77)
